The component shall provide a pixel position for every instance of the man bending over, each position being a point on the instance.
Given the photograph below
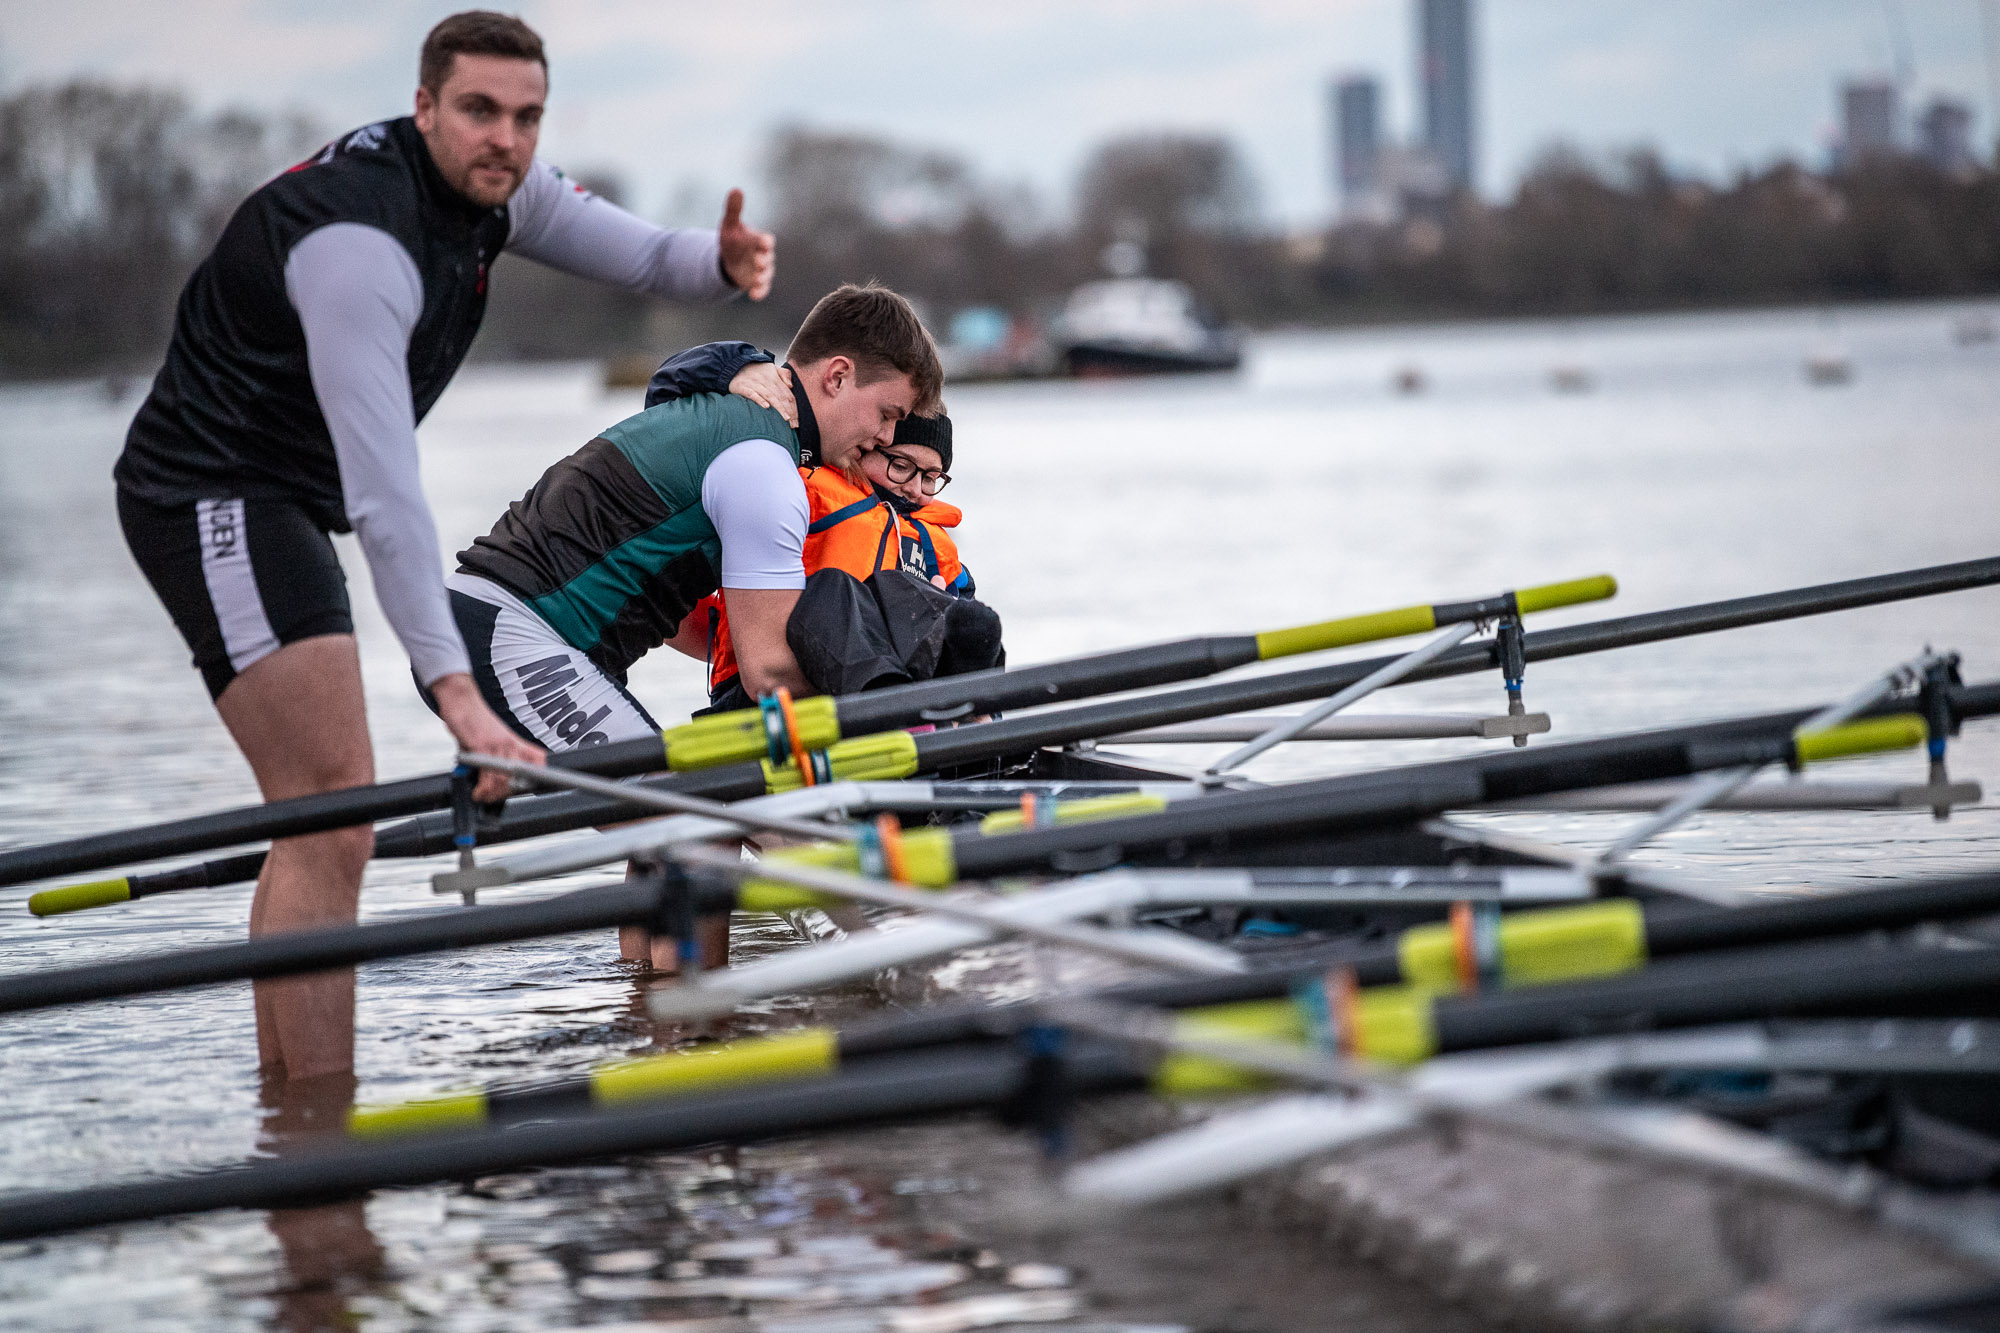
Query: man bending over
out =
(607, 554)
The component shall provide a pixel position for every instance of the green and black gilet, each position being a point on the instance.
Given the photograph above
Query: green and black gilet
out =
(612, 547)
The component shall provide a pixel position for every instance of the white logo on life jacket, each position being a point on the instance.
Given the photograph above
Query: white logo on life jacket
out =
(913, 557)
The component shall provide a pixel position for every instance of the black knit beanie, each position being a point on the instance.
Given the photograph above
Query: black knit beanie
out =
(931, 432)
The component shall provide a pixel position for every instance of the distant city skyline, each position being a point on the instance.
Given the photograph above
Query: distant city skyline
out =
(1448, 75)
(678, 99)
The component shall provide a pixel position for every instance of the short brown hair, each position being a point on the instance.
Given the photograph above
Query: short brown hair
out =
(878, 331)
(476, 32)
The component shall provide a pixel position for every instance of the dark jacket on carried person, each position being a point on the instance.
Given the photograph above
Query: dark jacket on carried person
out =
(850, 532)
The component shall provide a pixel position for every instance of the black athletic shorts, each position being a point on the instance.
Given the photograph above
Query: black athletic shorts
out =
(239, 577)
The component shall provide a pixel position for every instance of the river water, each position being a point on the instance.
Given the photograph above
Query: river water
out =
(1695, 461)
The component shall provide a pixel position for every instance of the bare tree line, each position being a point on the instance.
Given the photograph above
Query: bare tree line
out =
(110, 195)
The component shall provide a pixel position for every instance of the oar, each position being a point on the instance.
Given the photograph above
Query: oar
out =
(1058, 726)
(928, 1083)
(880, 758)
(806, 725)
(934, 857)
(644, 901)
(1534, 947)
(877, 758)
(1407, 1024)
(1019, 735)
(1234, 1144)
(1352, 802)
(1155, 947)
(1120, 894)
(1018, 1077)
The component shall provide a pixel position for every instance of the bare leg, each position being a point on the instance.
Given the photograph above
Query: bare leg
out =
(299, 718)
(636, 944)
(324, 1249)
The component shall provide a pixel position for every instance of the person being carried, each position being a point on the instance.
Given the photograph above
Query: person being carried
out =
(881, 514)
(605, 556)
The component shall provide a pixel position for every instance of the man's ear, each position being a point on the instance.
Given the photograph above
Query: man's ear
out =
(426, 108)
(836, 375)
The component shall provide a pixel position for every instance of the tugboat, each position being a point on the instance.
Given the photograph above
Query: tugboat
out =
(1141, 326)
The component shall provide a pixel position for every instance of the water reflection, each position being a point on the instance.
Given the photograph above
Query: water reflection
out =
(327, 1253)
(1700, 465)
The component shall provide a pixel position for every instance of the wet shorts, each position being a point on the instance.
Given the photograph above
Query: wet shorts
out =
(239, 577)
(549, 692)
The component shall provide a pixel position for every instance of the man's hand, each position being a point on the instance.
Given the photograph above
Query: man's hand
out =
(475, 728)
(750, 258)
(768, 385)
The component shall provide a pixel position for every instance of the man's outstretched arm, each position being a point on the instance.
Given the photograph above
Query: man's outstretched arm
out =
(554, 221)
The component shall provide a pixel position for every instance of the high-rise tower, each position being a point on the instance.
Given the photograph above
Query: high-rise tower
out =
(1357, 139)
(1868, 114)
(1444, 68)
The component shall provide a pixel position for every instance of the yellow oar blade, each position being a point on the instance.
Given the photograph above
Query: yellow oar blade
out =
(738, 737)
(1898, 731)
(1351, 630)
(80, 897)
(1345, 632)
(1575, 592)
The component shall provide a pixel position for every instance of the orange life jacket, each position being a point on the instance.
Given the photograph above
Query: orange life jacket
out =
(851, 528)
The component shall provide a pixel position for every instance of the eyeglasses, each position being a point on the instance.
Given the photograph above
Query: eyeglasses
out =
(902, 468)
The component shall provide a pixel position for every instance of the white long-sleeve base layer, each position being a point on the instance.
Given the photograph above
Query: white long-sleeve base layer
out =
(358, 296)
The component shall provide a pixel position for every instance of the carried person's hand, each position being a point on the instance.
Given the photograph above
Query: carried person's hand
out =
(477, 729)
(768, 385)
(749, 257)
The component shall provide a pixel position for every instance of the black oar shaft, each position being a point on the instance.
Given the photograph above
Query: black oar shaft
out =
(1839, 978)
(335, 946)
(992, 691)
(1334, 804)
(1854, 913)
(1679, 932)
(424, 835)
(1020, 734)
(523, 817)
(932, 1083)
(1363, 800)
(951, 697)
(206, 875)
(1668, 934)
(281, 819)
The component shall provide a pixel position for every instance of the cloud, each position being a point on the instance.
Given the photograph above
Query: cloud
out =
(1627, 67)
(1025, 88)
(226, 44)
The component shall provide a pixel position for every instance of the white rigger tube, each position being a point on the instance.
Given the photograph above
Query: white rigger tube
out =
(1114, 892)
(1152, 948)
(1229, 1147)
(1706, 790)
(668, 802)
(621, 844)
(1388, 674)
(1368, 727)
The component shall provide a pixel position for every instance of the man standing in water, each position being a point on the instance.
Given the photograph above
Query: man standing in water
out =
(334, 310)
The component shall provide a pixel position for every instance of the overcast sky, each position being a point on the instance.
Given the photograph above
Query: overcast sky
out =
(678, 97)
